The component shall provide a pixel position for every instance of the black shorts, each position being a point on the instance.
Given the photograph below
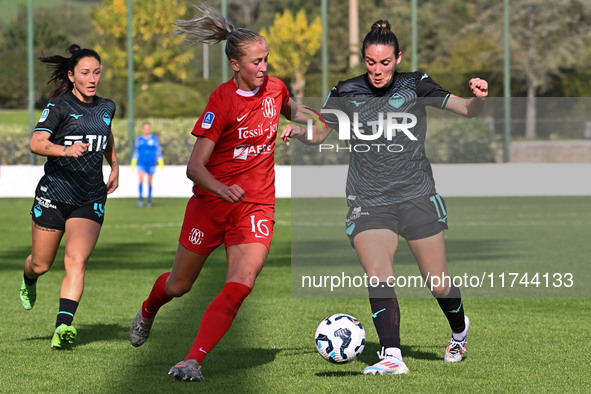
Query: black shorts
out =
(418, 218)
(53, 214)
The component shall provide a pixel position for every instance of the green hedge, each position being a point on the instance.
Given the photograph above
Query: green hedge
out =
(449, 140)
(168, 100)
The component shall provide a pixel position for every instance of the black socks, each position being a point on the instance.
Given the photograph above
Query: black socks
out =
(453, 309)
(386, 314)
(66, 312)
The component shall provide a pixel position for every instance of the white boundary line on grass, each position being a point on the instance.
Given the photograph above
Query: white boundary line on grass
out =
(452, 180)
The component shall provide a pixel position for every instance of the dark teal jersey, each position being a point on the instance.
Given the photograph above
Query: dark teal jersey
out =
(388, 163)
(76, 181)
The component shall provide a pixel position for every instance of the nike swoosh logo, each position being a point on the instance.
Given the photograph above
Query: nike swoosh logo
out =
(201, 350)
(240, 119)
(375, 314)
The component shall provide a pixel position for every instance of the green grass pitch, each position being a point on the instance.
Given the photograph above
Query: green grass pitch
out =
(514, 344)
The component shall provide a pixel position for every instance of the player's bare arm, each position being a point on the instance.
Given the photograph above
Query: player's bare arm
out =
(301, 114)
(41, 145)
(470, 107)
(200, 175)
(111, 157)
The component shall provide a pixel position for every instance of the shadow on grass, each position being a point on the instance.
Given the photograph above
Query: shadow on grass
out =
(226, 360)
(338, 252)
(88, 333)
(369, 355)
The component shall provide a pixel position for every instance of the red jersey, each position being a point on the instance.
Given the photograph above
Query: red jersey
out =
(243, 126)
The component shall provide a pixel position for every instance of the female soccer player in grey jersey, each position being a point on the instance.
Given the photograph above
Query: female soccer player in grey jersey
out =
(74, 133)
(390, 186)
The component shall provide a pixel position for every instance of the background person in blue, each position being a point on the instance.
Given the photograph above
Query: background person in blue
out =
(146, 155)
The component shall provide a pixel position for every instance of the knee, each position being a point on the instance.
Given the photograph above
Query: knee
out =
(176, 288)
(75, 263)
(446, 291)
(441, 291)
(38, 266)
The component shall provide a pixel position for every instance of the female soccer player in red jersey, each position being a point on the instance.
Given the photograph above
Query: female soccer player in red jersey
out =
(232, 167)
(74, 132)
(393, 193)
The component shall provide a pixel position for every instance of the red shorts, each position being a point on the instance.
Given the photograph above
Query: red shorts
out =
(210, 221)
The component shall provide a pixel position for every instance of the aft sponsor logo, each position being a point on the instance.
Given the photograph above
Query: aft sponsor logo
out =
(243, 152)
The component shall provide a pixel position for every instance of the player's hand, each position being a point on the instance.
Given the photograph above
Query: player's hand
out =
(113, 182)
(479, 87)
(77, 149)
(292, 131)
(232, 193)
(133, 164)
(161, 164)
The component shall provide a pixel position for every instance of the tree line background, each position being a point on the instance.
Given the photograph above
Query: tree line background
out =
(457, 40)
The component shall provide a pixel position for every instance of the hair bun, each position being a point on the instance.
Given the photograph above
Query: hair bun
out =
(381, 24)
(74, 48)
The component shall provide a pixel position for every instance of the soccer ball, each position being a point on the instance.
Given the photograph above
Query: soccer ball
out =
(340, 338)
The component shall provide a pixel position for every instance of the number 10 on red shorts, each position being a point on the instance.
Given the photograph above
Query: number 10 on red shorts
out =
(211, 221)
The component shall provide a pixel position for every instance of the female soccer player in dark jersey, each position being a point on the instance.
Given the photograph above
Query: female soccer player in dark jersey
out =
(390, 186)
(74, 133)
(233, 202)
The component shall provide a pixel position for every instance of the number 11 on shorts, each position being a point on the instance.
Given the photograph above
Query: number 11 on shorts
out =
(440, 207)
(259, 227)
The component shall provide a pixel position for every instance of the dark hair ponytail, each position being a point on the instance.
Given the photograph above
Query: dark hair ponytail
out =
(381, 34)
(60, 66)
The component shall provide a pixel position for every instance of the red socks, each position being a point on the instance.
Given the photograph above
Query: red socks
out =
(217, 319)
(157, 297)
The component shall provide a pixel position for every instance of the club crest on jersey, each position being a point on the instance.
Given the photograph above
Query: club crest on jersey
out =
(396, 101)
(44, 115)
(207, 120)
(107, 119)
(269, 110)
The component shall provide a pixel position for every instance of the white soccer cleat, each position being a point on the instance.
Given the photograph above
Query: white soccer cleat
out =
(389, 365)
(455, 349)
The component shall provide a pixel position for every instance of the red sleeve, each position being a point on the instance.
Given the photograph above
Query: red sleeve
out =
(285, 94)
(212, 121)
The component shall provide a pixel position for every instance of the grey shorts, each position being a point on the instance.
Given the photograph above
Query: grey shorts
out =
(418, 218)
(53, 214)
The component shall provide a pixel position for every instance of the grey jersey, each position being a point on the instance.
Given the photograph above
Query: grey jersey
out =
(69, 180)
(390, 168)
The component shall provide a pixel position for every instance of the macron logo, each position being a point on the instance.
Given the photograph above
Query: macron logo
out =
(76, 116)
